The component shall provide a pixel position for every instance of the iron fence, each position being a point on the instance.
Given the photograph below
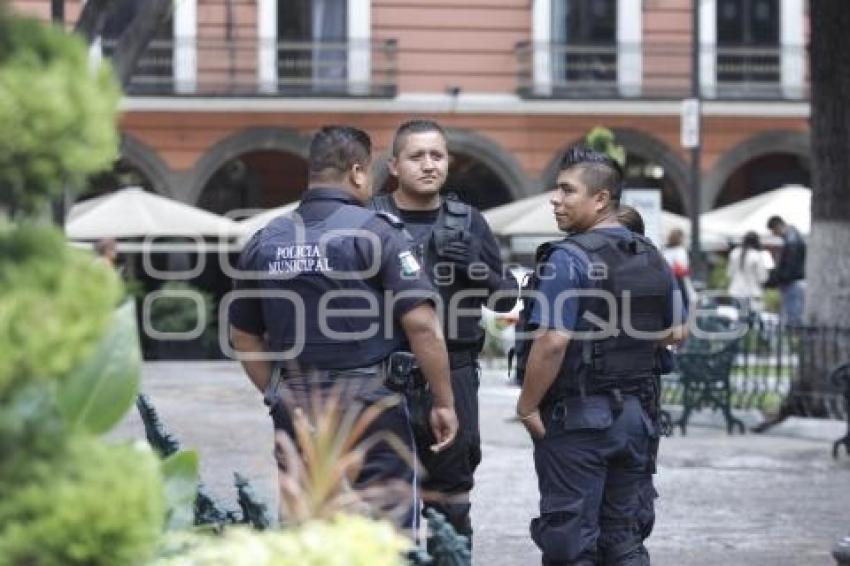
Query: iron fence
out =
(654, 70)
(256, 67)
(781, 367)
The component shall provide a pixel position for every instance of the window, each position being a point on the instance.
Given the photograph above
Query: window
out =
(584, 51)
(312, 45)
(748, 40)
(154, 72)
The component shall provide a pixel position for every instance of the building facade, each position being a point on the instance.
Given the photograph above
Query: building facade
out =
(222, 104)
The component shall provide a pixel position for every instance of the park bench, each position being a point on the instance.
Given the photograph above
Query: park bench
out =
(840, 379)
(705, 363)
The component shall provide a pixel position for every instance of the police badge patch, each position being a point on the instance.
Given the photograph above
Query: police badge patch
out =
(409, 265)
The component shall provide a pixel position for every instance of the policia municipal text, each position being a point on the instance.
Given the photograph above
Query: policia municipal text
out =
(361, 257)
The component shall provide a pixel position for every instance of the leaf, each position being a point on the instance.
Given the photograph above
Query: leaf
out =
(98, 393)
(180, 474)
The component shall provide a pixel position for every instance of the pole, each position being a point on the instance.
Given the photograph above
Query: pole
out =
(697, 264)
(57, 11)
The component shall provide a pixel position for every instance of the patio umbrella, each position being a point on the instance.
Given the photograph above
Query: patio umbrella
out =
(135, 213)
(249, 226)
(793, 203)
(532, 216)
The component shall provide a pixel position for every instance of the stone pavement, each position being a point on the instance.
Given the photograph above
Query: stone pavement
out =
(777, 499)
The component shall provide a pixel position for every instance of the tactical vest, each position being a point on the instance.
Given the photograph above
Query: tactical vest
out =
(454, 218)
(630, 271)
(308, 264)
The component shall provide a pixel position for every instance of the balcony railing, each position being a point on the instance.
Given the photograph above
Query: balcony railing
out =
(248, 67)
(660, 71)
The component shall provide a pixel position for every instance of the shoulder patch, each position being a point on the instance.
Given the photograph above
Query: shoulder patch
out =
(390, 218)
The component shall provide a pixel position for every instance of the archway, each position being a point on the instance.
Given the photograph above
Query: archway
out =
(762, 174)
(650, 163)
(786, 153)
(245, 157)
(256, 179)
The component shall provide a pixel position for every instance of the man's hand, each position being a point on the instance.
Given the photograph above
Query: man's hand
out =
(443, 426)
(464, 250)
(533, 423)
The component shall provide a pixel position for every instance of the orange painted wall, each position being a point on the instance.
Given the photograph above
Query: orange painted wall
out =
(534, 139)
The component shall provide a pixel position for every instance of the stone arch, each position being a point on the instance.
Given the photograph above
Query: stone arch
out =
(501, 162)
(761, 144)
(244, 141)
(149, 163)
(639, 143)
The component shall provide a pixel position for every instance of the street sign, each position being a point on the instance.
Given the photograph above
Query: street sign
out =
(690, 123)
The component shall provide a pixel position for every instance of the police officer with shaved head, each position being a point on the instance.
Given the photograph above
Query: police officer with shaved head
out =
(604, 300)
(326, 296)
(461, 257)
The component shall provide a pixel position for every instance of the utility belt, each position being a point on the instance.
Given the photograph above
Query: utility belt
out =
(403, 374)
(281, 376)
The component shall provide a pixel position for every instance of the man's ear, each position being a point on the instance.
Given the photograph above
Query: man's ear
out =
(603, 199)
(392, 166)
(358, 175)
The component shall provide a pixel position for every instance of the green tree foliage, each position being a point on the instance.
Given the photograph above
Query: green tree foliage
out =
(57, 302)
(57, 113)
(90, 504)
(602, 139)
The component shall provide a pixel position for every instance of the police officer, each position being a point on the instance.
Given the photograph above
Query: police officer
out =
(331, 292)
(461, 256)
(605, 301)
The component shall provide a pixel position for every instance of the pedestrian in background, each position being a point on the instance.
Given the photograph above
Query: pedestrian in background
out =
(748, 269)
(790, 270)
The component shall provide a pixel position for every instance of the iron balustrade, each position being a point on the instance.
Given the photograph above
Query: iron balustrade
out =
(653, 70)
(254, 67)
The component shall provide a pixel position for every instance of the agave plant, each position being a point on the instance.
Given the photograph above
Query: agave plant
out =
(319, 466)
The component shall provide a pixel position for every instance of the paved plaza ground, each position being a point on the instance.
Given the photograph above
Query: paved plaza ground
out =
(777, 499)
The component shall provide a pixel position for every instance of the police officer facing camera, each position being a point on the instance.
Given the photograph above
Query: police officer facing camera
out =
(460, 255)
(605, 301)
(333, 254)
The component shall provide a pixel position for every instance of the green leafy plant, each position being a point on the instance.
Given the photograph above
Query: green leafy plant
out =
(57, 113)
(178, 313)
(57, 303)
(344, 540)
(602, 139)
(90, 504)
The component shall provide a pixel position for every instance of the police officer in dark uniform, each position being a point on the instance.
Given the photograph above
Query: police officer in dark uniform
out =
(605, 301)
(325, 296)
(461, 256)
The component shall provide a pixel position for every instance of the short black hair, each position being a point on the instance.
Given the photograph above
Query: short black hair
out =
(629, 217)
(334, 150)
(598, 171)
(775, 222)
(414, 127)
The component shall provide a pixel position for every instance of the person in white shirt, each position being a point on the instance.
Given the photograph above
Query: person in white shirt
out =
(748, 269)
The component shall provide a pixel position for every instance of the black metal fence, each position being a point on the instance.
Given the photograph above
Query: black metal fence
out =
(785, 368)
(653, 70)
(257, 67)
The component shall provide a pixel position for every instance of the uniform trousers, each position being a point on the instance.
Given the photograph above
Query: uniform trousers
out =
(596, 493)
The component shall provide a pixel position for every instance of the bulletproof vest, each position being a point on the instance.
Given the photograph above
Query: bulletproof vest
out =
(454, 218)
(633, 274)
(317, 271)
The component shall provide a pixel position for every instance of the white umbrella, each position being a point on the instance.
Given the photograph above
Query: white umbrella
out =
(249, 226)
(532, 216)
(135, 213)
(793, 203)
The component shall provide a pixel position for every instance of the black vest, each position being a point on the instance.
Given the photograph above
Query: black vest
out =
(616, 355)
(318, 266)
(454, 217)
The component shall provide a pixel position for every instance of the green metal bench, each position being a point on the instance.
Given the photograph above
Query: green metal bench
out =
(705, 364)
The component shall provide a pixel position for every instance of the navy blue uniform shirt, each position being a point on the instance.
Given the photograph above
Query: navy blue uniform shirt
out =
(353, 272)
